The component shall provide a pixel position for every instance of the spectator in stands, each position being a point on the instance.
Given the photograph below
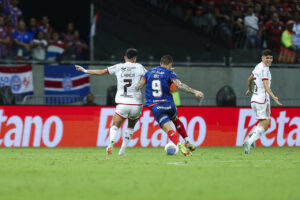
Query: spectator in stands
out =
(239, 33)
(10, 26)
(5, 6)
(209, 16)
(45, 27)
(296, 30)
(273, 30)
(253, 32)
(223, 14)
(187, 9)
(14, 11)
(258, 12)
(4, 39)
(164, 4)
(22, 40)
(287, 50)
(68, 35)
(285, 10)
(77, 49)
(90, 100)
(38, 46)
(55, 48)
(11, 30)
(32, 26)
(269, 11)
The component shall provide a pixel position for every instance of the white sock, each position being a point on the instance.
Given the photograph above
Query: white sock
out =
(126, 139)
(259, 131)
(112, 134)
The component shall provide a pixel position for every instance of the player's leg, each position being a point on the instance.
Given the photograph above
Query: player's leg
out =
(180, 127)
(181, 130)
(134, 115)
(253, 145)
(163, 119)
(128, 135)
(259, 130)
(263, 115)
(118, 120)
(167, 127)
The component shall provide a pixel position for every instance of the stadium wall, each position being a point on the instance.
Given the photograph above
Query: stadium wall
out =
(81, 126)
(285, 81)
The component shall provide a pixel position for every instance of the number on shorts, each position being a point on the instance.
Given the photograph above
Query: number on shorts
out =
(156, 87)
(129, 82)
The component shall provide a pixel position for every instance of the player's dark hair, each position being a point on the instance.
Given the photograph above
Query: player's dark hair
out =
(166, 59)
(131, 53)
(267, 52)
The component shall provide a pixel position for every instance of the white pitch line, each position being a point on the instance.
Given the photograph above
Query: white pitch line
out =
(176, 163)
(232, 161)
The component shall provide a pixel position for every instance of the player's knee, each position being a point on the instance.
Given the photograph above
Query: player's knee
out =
(132, 122)
(266, 126)
(118, 122)
(174, 119)
(118, 125)
(114, 128)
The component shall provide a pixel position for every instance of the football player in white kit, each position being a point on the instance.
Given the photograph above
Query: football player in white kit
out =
(128, 98)
(260, 101)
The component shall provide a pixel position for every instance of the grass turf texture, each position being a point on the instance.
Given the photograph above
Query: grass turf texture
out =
(147, 173)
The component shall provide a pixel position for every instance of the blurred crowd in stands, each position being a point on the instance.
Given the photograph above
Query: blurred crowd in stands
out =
(36, 39)
(244, 24)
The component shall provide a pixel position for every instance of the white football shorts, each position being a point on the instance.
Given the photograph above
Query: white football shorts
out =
(129, 111)
(263, 111)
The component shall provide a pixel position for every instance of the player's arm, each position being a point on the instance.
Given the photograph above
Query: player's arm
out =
(188, 89)
(250, 80)
(140, 84)
(269, 91)
(98, 72)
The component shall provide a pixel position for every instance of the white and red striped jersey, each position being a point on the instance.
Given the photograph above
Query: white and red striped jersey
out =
(128, 75)
(261, 72)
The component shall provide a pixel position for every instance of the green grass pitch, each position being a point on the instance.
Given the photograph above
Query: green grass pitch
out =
(147, 173)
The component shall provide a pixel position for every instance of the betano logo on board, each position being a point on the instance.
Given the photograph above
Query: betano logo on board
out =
(19, 133)
(43, 126)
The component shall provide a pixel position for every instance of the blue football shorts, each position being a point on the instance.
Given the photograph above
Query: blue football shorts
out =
(163, 112)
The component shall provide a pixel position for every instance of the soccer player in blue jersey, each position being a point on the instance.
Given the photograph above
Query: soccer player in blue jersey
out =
(159, 99)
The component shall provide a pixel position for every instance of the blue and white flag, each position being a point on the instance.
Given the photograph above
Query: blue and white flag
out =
(19, 78)
(94, 24)
(65, 80)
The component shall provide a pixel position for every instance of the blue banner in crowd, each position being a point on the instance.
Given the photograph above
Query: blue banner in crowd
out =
(65, 80)
(18, 78)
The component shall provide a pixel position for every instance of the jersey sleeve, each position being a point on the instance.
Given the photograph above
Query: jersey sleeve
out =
(112, 70)
(264, 74)
(173, 76)
(141, 70)
(144, 71)
(146, 76)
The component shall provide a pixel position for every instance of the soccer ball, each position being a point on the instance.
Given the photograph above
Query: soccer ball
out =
(171, 149)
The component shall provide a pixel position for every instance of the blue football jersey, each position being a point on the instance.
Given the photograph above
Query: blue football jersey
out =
(158, 81)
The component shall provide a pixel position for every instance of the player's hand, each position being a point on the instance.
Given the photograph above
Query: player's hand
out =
(199, 94)
(248, 92)
(277, 102)
(79, 68)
